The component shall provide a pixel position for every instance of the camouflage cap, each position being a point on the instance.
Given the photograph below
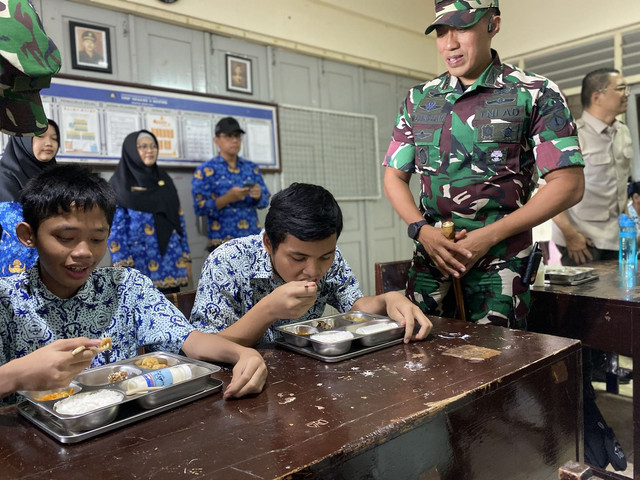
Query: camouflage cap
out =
(460, 13)
(28, 60)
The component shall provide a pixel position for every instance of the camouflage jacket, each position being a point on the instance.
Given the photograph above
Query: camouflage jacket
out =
(479, 151)
(28, 60)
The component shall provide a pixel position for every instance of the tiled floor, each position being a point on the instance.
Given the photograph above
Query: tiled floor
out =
(617, 411)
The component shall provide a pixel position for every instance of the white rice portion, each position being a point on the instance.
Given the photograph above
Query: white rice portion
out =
(87, 402)
(332, 336)
(376, 328)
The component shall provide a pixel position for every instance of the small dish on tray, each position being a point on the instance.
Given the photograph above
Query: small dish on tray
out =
(88, 410)
(332, 342)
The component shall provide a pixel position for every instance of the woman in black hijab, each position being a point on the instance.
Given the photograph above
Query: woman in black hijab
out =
(23, 159)
(148, 231)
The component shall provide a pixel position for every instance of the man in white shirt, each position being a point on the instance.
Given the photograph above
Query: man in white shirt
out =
(589, 230)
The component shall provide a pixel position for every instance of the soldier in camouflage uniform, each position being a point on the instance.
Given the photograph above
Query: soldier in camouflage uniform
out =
(28, 60)
(478, 136)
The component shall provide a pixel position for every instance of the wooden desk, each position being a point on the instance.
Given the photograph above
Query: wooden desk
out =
(599, 313)
(396, 413)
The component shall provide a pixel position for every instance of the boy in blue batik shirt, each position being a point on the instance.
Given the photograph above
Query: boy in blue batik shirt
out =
(291, 271)
(64, 301)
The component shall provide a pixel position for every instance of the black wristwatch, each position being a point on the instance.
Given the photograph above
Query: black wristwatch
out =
(414, 229)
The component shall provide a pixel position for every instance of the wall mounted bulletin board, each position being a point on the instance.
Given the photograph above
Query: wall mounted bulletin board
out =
(94, 119)
(338, 150)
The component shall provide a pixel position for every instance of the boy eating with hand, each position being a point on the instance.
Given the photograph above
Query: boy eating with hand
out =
(64, 301)
(291, 271)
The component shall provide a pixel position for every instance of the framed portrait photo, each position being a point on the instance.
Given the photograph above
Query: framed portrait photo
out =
(90, 47)
(239, 74)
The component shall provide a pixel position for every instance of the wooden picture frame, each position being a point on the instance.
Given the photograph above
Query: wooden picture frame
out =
(239, 75)
(90, 47)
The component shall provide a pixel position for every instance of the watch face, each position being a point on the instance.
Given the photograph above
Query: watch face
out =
(414, 228)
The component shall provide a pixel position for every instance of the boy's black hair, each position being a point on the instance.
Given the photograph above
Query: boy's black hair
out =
(63, 187)
(308, 212)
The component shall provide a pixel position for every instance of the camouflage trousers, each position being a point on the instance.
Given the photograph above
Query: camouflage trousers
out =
(493, 294)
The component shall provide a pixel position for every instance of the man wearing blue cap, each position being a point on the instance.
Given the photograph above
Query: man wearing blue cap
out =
(478, 136)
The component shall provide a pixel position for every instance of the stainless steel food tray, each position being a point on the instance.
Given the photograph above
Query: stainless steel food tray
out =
(562, 275)
(574, 282)
(363, 330)
(129, 413)
(354, 352)
(95, 379)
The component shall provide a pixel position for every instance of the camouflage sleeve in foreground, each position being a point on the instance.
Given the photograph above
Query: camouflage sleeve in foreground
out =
(28, 60)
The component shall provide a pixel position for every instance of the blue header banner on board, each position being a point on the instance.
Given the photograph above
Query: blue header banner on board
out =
(94, 118)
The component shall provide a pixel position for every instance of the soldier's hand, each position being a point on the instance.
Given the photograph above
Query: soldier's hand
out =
(446, 255)
(478, 243)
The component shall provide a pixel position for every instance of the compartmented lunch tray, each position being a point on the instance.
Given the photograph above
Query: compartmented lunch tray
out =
(352, 353)
(78, 426)
(561, 275)
(340, 337)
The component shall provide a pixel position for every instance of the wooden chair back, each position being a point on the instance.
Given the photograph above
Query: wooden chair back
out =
(391, 276)
(184, 301)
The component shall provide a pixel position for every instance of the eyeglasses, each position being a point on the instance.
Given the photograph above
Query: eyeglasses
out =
(622, 88)
(151, 146)
(233, 135)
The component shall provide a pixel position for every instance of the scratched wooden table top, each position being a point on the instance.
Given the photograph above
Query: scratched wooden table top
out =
(309, 412)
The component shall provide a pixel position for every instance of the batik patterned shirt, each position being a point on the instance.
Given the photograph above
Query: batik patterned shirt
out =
(213, 179)
(14, 256)
(133, 243)
(480, 150)
(114, 302)
(238, 274)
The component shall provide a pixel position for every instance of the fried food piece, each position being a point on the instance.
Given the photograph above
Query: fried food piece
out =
(56, 395)
(151, 363)
(105, 344)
